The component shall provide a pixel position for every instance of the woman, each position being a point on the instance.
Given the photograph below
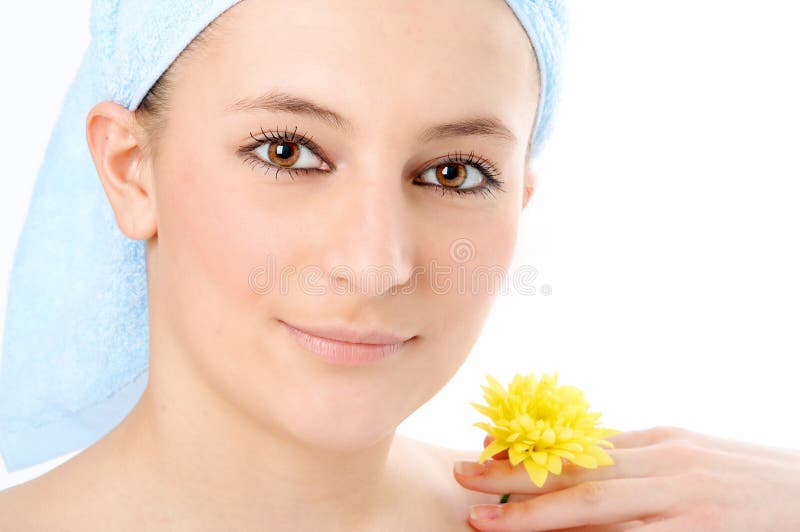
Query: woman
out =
(309, 137)
(241, 427)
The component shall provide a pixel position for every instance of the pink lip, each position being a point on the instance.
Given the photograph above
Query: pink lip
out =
(352, 336)
(345, 346)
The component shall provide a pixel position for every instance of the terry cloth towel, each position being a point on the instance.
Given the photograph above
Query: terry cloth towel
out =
(76, 342)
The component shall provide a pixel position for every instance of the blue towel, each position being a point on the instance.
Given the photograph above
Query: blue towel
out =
(76, 345)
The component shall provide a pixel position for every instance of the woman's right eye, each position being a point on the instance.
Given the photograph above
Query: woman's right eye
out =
(285, 155)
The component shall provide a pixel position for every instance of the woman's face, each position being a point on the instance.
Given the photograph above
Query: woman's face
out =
(237, 245)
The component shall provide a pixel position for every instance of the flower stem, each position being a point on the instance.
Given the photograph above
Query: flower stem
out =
(504, 498)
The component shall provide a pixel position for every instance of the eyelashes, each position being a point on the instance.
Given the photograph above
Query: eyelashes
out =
(483, 167)
(250, 155)
(288, 148)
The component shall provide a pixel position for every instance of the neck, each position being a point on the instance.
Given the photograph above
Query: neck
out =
(200, 455)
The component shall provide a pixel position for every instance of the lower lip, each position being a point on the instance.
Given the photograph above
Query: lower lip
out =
(343, 353)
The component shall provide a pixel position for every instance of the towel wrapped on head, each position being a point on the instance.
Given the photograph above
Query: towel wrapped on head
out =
(75, 350)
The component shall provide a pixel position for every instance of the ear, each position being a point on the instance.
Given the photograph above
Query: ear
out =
(530, 185)
(115, 142)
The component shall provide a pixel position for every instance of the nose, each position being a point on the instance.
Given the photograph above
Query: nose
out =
(372, 246)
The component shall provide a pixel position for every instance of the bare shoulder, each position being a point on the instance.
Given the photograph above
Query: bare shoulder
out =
(10, 509)
(439, 462)
(445, 455)
(25, 507)
(61, 499)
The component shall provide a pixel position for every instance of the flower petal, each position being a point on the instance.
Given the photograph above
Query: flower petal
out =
(554, 464)
(492, 449)
(601, 456)
(585, 460)
(515, 456)
(537, 474)
(496, 386)
(572, 446)
(560, 452)
(539, 457)
(548, 437)
(483, 409)
(485, 426)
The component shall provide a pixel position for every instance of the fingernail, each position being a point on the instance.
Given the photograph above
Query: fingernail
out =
(486, 511)
(470, 469)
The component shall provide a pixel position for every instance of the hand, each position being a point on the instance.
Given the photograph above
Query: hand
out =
(664, 479)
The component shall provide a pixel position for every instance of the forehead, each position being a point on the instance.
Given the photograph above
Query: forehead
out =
(382, 60)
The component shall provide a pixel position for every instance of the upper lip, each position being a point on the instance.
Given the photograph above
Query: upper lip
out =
(354, 336)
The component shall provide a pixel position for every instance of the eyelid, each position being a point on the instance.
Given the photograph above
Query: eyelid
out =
(485, 167)
(277, 136)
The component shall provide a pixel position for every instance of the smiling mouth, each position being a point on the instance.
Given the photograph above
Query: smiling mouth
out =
(348, 347)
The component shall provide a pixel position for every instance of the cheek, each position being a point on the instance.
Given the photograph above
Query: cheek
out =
(494, 242)
(479, 254)
(212, 241)
(465, 271)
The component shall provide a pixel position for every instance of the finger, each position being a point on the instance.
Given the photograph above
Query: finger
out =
(516, 497)
(674, 524)
(663, 459)
(592, 503)
(650, 436)
(739, 447)
(664, 433)
(499, 476)
(615, 527)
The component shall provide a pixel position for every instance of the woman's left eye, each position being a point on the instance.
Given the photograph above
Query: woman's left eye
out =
(463, 174)
(453, 175)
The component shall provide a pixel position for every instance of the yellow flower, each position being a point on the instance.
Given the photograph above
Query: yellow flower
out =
(541, 423)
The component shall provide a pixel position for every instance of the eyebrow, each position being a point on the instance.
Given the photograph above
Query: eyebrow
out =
(488, 126)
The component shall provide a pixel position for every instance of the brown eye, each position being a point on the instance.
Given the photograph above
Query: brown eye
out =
(451, 175)
(455, 176)
(284, 153)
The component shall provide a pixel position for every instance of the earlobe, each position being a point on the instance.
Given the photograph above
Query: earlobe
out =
(530, 185)
(114, 142)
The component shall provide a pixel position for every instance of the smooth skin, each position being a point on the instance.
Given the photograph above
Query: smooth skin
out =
(239, 427)
(664, 479)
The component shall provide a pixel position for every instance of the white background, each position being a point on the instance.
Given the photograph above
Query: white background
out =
(666, 219)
